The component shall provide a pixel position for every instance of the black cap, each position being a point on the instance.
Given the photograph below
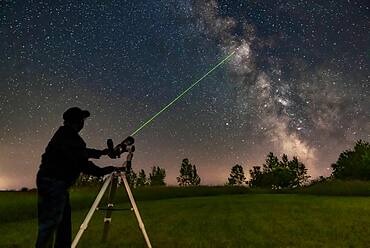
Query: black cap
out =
(75, 114)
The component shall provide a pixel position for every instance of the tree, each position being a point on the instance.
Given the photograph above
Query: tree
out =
(279, 174)
(157, 176)
(256, 177)
(298, 171)
(236, 175)
(141, 179)
(188, 174)
(269, 175)
(353, 164)
(272, 162)
(131, 176)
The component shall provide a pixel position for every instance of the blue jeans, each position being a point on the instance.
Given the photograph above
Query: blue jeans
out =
(54, 214)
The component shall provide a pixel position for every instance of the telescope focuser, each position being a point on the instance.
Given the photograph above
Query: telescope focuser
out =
(125, 146)
(130, 149)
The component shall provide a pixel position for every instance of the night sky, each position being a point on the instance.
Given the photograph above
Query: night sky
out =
(299, 82)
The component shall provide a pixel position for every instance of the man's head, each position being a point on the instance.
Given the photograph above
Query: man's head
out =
(75, 117)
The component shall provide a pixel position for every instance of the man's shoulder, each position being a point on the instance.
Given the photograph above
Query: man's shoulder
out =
(67, 135)
(64, 132)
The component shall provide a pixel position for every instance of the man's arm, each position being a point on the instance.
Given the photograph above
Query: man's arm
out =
(94, 153)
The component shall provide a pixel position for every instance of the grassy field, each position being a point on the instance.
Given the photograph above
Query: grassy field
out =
(216, 217)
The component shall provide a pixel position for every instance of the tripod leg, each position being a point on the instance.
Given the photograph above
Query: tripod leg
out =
(91, 211)
(136, 210)
(108, 215)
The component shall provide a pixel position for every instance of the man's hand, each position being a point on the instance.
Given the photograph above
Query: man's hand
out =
(104, 151)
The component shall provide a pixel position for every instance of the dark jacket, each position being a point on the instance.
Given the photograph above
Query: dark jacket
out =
(66, 156)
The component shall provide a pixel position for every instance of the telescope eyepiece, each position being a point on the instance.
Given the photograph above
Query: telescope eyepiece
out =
(131, 148)
(128, 141)
(110, 144)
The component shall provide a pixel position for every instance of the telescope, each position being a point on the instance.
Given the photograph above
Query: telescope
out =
(125, 146)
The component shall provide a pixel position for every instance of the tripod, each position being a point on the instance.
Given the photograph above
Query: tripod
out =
(112, 181)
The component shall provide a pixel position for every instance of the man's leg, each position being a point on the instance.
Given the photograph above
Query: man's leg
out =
(63, 237)
(51, 204)
(46, 223)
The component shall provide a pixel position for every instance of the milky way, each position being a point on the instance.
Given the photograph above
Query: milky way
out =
(300, 106)
(299, 82)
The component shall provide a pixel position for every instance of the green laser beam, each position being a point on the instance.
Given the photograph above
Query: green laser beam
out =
(183, 93)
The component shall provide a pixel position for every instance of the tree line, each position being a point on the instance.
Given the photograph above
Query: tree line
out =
(188, 176)
(352, 164)
(275, 173)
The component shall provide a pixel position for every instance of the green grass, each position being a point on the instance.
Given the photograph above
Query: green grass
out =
(21, 205)
(217, 217)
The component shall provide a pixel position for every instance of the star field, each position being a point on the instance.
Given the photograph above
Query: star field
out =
(299, 82)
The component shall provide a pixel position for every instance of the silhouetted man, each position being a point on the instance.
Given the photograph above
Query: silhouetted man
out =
(65, 157)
